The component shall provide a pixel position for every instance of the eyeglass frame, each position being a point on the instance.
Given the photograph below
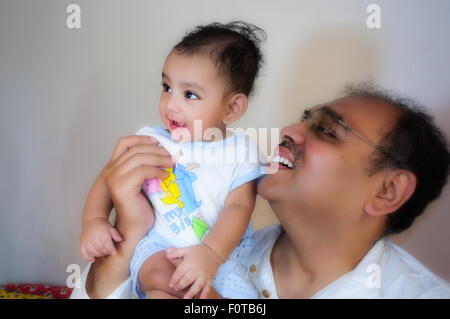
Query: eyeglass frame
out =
(338, 119)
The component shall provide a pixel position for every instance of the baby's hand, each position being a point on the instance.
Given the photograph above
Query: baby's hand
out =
(96, 239)
(199, 267)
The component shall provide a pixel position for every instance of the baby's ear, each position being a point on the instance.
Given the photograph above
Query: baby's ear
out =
(236, 108)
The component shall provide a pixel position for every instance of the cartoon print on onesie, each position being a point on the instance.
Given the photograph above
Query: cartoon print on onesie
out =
(178, 190)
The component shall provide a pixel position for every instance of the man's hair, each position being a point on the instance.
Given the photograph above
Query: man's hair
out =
(233, 47)
(419, 147)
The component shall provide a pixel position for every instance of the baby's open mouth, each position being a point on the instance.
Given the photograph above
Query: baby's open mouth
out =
(174, 125)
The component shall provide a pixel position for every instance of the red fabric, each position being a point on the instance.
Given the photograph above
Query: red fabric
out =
(39, 290)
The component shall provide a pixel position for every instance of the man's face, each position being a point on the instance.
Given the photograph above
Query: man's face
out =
(329, 180)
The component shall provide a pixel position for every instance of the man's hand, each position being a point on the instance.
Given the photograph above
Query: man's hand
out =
(135, 159)
(96, 239)
(198, 268)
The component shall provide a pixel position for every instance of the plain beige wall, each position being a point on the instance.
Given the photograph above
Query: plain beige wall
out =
(66, 96)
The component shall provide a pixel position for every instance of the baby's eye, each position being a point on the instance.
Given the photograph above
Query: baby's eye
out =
(166, 88)
(191, 95)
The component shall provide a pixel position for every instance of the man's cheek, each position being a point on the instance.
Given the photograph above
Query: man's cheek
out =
(326, 172)
(320, 161)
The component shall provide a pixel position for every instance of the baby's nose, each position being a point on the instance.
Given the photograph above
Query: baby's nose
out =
(173, 104)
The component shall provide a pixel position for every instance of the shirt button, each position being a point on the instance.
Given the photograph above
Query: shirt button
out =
(253, 268)
(266, 293)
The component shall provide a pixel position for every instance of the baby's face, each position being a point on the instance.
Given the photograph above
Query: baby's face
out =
(192, 90)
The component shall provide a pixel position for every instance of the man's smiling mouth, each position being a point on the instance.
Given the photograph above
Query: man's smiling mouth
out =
(287, 155)
(283, 161)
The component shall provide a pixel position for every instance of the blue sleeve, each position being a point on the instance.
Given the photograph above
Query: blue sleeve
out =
(246, 177)
(249, 169)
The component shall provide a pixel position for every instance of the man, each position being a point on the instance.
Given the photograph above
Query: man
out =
(363, 166)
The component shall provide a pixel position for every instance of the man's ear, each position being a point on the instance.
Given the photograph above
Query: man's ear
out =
(391, 192)
(237, 106)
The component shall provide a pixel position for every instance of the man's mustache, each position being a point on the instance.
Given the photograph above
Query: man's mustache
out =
(293, 148)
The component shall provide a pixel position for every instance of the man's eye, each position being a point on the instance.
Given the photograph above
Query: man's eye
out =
(191, 95)
(166, 88)
(324, 132)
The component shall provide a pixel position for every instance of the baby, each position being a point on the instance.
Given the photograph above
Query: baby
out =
(204, 207)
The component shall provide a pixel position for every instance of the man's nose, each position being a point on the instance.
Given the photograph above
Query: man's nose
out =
(296, 133)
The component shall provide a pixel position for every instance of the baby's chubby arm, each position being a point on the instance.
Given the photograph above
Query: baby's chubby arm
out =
(200, 262)
(97, 233)
(232, 221)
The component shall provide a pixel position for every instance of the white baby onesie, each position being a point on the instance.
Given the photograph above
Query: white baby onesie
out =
(188, 202)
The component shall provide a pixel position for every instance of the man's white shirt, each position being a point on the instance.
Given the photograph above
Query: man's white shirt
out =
(387, 271)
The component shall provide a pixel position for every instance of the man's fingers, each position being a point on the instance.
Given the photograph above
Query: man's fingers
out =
(138, 175)
(195, 288)
(142, 149)
(141, 159)
(126, 142)
(132, 181)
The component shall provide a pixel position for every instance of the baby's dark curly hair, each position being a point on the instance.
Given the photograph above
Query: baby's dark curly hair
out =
(233, 47)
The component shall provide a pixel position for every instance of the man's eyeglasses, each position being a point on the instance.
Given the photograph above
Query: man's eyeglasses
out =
(327, 124)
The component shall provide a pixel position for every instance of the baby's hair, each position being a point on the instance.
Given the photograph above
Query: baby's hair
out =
(234, 48)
